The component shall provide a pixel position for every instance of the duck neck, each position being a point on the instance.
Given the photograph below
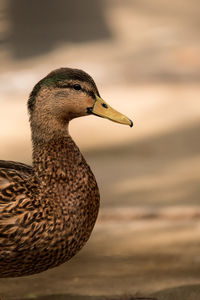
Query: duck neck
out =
(67, 190)
(56, 158)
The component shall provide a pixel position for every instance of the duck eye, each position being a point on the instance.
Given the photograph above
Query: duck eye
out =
(77, 87)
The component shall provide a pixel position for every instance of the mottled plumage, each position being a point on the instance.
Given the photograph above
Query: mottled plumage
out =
(48, 210)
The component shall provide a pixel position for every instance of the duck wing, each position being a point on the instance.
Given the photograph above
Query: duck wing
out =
(13, 202)
(17, 166)
(13, 179)
(13, 185)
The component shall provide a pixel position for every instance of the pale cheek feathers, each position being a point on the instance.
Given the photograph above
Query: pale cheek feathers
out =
(79, 105)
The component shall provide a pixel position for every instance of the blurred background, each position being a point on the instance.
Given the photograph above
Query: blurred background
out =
(144, 56)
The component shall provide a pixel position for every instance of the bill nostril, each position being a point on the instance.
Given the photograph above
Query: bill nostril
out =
(104, 105)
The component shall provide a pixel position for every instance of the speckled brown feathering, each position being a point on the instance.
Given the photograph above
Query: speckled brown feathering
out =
(48, 211)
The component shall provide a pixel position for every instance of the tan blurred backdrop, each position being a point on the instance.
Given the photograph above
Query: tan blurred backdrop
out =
(145, 58)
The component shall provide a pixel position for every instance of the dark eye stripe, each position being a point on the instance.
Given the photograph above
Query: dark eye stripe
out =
(91, 94)
(71, 86)
(64, 85)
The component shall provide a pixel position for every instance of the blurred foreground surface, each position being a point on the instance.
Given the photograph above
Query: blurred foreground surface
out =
(144, 57)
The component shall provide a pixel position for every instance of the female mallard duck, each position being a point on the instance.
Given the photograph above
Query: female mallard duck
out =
(48, 211)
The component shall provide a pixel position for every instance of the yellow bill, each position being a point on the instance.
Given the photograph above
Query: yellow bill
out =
(102, 109)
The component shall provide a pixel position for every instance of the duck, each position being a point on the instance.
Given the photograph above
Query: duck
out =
(48, 210)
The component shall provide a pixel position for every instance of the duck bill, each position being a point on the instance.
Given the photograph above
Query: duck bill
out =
(102, 109)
